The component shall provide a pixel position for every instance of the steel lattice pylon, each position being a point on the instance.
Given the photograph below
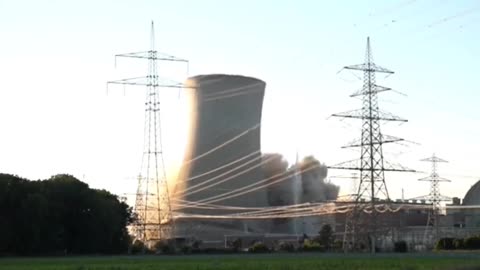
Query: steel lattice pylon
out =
(154, 219)
(435, 197)
(371, 164)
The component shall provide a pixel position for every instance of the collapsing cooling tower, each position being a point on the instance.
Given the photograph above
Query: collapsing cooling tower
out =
(223, 150)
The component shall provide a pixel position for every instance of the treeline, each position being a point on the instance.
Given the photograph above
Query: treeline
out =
(468, 243)
(61, 215)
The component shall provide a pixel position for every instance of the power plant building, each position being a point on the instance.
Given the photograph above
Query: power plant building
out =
(223, 163)
(225, 172)
(223, 153)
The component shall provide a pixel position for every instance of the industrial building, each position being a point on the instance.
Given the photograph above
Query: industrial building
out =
(222, 107)
(224, 158)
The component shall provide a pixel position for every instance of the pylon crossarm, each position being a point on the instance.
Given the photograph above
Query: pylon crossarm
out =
(395, 167)
(437, 178)
(358, 114)
(152, 55)
(385, 139)
(351, 165)
(434, 159)
(423, 197)
(369, 68)
(375, 89)
(443, 198)
(145, 81)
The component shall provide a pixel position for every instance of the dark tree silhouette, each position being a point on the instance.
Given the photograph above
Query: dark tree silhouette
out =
(325, 236)
(60, 215)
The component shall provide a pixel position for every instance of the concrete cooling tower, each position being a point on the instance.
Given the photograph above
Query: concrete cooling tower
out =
(223, 154)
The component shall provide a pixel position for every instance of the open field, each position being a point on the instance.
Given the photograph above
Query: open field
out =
(247, 262)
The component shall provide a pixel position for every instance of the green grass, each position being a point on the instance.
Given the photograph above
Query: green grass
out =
(249, 262)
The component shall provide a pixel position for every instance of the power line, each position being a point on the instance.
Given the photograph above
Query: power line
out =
(243, 88)
(221, 167)
(221, 145)
(245, 190)
(186, 192)
(316, 209)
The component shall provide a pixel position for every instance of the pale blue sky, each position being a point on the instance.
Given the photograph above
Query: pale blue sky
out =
(55, 57)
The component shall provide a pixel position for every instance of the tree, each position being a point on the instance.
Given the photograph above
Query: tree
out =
(472, 242)
(60, 215)
(237, 244)
(446, 243)
(400, 246)
(325, 236)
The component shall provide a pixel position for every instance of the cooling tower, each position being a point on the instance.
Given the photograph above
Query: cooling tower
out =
(223, 153)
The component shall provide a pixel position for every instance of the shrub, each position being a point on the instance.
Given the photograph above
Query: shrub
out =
(258, 247)
(216, 251)
(459, 243)
(164, 247)
(400, 246)
(237, 244)
(186, 249)
(196, 244)
(472, 242)
(445, 244)
(312, 246)
(137, 247)
(286, 246)
(338, 245)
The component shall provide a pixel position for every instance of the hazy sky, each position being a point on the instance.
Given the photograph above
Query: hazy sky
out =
(56, 57)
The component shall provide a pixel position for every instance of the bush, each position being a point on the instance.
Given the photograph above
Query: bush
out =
(258, 247)
(286, 246)
(164, 247)
(312, 246)
(196, 244)
(445, 244)
(472, 242)
(212, 250)
(400, 246)
(237, 244)
(218, 251)
(459, 243)
(186, 249)
(338, 245)
(137, 247)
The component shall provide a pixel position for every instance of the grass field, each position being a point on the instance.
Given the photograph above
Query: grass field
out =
(248, 262)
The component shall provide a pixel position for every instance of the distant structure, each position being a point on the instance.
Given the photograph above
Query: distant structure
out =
(372, 166)
(223, 153)
(432, 227)
(472, 197)
(224, 170)
(152, 203)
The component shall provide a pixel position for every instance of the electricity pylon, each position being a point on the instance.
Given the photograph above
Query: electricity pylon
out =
(371, 164)
(435, 197)
(154, 219)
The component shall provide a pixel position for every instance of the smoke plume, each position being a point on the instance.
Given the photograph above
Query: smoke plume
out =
(311, 174)
(314, 187)
(276, 167)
